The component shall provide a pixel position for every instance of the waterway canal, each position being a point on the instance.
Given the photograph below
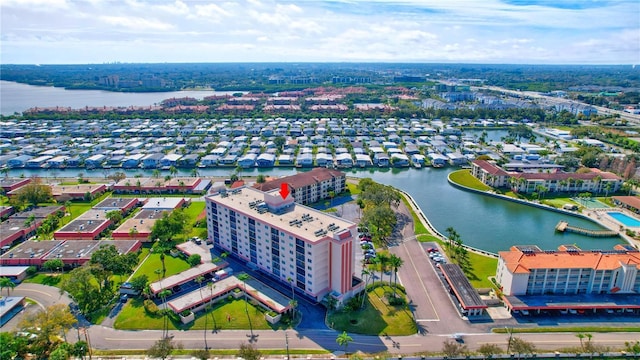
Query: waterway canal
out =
(483, 222)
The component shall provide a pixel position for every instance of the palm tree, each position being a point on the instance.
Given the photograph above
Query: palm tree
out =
(293, 298)
(133, 232)
(156, 173)
(367, 274)
(199, 281)
(244, 277)
(5, 282)
(607, 188)
(165, 329)
(172, 170)
(395, 262)
(343, 340)
(211, 286)
(382, 259)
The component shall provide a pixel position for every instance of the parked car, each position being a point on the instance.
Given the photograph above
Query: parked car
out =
(432, 250)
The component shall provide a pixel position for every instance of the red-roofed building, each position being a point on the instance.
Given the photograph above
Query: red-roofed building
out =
(528, 270)
(311, 186)
(595, 181)
(628, 202)
(489, 173)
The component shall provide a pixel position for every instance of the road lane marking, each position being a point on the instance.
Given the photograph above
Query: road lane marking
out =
(37, 291)
(421, 282)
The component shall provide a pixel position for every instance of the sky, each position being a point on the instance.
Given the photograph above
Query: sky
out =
(453, 31)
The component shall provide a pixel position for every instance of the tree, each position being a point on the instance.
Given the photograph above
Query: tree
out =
(488, 350)
(248, 352)
(140, 282)
(244, 277)
(48, 325)
(293, 303)
(520, 346)
(169, 226)
(33, 193)
(194, 259)
(382, 260)
(395, 262)
(165, 322)
(81, 284)
(172, 170)
(133, 232)
(452, 348)
(53, 265)
(199, 281)
(115, 216)
(163, 348)
(261, 179)
(201, 354)
(6, 283)
(13, 346)
(344, 340)
(108, 257)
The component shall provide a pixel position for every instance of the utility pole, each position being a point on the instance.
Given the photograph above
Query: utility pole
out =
(286, 341)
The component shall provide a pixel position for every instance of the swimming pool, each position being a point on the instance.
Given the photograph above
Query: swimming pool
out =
(624, 219)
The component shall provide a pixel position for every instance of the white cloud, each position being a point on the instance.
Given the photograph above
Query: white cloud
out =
(135, 23)
(319, 30)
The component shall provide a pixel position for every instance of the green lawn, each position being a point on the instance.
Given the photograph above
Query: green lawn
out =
(464, 178)
(173, 265)
(353, 188)
(428, 238)
(418, 227)
(483, 267)
(46, 279)
(134, 317)
(376, 318)
(558, 202)
(193, 211)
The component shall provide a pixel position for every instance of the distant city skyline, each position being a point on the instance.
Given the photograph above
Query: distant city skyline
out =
(456, 31)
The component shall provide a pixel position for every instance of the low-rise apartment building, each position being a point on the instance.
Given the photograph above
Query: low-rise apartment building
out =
(527, 270)
(595, 181)
(311, 186)
(302, 247)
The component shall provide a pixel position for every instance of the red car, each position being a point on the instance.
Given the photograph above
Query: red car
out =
(432, 250)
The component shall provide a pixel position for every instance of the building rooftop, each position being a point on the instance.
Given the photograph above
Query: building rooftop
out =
(301, 179)
(302, 221)
(31, 249)
(114, 203)
(185, 276)
(82, 226)
(524, 260)
(163, 203)
(462, 288)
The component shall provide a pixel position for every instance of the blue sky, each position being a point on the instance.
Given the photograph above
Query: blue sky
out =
(461, 31)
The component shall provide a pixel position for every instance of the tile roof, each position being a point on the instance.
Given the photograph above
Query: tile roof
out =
(520, 262)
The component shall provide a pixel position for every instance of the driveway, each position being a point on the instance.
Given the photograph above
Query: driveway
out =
(43, 295)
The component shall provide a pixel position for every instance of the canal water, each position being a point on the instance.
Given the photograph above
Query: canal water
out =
(482, 221)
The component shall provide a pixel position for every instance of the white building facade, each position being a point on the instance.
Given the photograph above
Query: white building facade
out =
(293, 243)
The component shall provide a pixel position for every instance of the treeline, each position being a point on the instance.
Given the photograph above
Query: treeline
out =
(260, 76)
(378, 202)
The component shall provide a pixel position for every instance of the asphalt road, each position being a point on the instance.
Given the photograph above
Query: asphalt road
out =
(108, 338)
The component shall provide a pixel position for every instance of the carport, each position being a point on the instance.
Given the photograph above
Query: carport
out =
(466, 294)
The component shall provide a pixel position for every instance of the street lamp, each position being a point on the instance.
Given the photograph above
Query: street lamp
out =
(509, 341)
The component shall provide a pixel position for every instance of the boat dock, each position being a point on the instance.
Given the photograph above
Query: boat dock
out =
(564, 226)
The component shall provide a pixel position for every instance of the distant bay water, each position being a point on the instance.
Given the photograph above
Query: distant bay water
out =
(16, 97)
(483, 222)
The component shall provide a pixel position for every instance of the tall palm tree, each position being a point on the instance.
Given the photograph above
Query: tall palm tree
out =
(343, 340)
(211, 286)
(244, 277)
(293, 301)
(6, 283)
(382, 259)
(199, 281)
(165, 329)
(395, 262)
